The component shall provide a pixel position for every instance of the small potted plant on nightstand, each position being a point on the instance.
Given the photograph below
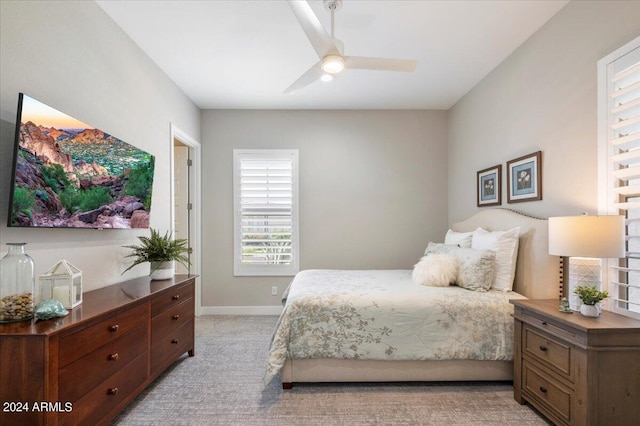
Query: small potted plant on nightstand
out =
(161, 252)
(590, 295)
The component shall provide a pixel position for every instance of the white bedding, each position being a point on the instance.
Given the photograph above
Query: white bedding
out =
(384, 315)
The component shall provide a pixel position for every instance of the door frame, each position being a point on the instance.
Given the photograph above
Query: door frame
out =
(195, 222)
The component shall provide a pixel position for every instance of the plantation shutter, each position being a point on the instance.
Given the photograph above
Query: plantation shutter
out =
(266, 212)
(619, 85)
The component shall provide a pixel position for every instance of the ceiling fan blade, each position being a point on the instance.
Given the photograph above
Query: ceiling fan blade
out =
(313, 74)
(321, 41)
(381, 64)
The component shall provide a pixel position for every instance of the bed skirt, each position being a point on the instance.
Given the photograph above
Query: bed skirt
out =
(349, 370)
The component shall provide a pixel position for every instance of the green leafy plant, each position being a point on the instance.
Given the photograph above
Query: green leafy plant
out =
(590, 295)
(157, 248)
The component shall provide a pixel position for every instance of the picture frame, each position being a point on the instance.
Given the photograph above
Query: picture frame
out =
(489, 186)
(524, 176)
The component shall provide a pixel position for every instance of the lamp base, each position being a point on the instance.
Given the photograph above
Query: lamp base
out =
(583, 271)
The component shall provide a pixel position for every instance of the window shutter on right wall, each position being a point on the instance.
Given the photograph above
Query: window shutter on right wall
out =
(619, 168)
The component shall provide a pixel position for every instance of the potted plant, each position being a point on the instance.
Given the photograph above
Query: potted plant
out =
(590, 295)
(161, 252)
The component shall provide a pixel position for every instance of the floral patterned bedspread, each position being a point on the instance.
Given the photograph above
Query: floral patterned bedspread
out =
(384, 315)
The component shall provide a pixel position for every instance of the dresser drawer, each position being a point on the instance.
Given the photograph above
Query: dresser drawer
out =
(170, 298)
(82, 375)
(76, 345)
(94, 406)
(551, 352)
(550, 393)
(168, 348)
(171, 319)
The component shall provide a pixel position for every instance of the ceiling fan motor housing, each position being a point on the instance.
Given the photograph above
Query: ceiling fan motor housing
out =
(334, 5)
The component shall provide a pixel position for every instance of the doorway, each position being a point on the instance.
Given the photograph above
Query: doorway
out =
(185, 196)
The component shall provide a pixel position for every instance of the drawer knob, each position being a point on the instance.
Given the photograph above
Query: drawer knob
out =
(543, 389)
(114, 328)
(543, 348)
(175, 317)
(113, 391)
(176, 297)
(544, 323)
(174, 341)
(113, 357)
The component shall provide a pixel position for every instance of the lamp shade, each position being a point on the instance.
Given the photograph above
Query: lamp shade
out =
(587, 236)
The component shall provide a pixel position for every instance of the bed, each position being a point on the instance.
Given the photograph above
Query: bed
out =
(334, 327)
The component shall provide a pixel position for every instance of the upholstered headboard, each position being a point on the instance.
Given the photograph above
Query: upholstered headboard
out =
(537, 273)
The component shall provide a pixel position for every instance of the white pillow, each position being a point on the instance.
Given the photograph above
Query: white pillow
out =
(460, 239)
(475, 267)
(436, 270)
(505, 246)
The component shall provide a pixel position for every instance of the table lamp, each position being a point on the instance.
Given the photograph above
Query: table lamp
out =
(586, 240)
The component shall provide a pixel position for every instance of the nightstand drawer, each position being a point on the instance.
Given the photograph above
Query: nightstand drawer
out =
(554, 397)
(569, 334)
(551, 352)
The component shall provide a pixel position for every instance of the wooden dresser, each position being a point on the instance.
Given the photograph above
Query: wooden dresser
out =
(577, 370)
(83, 369)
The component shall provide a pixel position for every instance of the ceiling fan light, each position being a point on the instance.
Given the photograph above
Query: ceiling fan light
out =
(332, 64)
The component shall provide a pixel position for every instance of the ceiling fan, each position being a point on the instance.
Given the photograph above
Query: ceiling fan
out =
(331, 50)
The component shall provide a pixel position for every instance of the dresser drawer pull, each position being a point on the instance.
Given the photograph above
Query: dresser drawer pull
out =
(543, 389)
(543, 348)
(112, 391)
(176, 297)
(544, 323)
(175, 317)
(113, 357)
(174, 342)
(114, 328)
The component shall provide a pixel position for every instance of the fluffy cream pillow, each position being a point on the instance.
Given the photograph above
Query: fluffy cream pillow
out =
(505, 245)
(475, 267)
(460, 239)
(436, 270)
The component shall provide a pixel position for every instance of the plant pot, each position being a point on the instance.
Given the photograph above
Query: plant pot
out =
(590, 311)
(162, 270)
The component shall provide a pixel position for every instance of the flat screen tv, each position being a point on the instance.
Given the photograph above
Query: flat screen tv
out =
(67, 174)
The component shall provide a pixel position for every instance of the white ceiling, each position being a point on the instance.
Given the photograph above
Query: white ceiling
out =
(243, 54)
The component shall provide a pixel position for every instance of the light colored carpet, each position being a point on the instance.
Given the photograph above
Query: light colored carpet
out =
(222, 385)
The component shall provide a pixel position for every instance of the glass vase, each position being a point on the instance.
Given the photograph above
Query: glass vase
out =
(17, 282)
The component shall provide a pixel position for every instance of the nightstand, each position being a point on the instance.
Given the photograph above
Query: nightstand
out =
(576, 370)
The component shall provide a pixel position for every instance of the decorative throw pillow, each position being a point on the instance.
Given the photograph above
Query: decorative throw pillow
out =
(438, 248)
(476, 268)
(437, 270)
(460, 239)
(505, 246)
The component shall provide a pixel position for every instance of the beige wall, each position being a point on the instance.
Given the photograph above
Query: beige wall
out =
(372, 191)
(72, 56)
(542, 97)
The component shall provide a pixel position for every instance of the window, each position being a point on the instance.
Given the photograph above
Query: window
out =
(265, 188)
(619, 168)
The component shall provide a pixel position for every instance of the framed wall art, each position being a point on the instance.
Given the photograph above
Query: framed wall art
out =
(525, 178)
(489, 187)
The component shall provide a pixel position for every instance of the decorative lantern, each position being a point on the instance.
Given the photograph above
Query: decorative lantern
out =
(63, 282)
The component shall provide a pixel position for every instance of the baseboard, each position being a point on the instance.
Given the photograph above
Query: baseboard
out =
(241, 310)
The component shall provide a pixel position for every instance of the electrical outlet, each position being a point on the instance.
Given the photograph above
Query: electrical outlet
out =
(274, 291)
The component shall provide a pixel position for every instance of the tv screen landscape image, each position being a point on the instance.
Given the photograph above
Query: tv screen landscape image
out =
(67, 174)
